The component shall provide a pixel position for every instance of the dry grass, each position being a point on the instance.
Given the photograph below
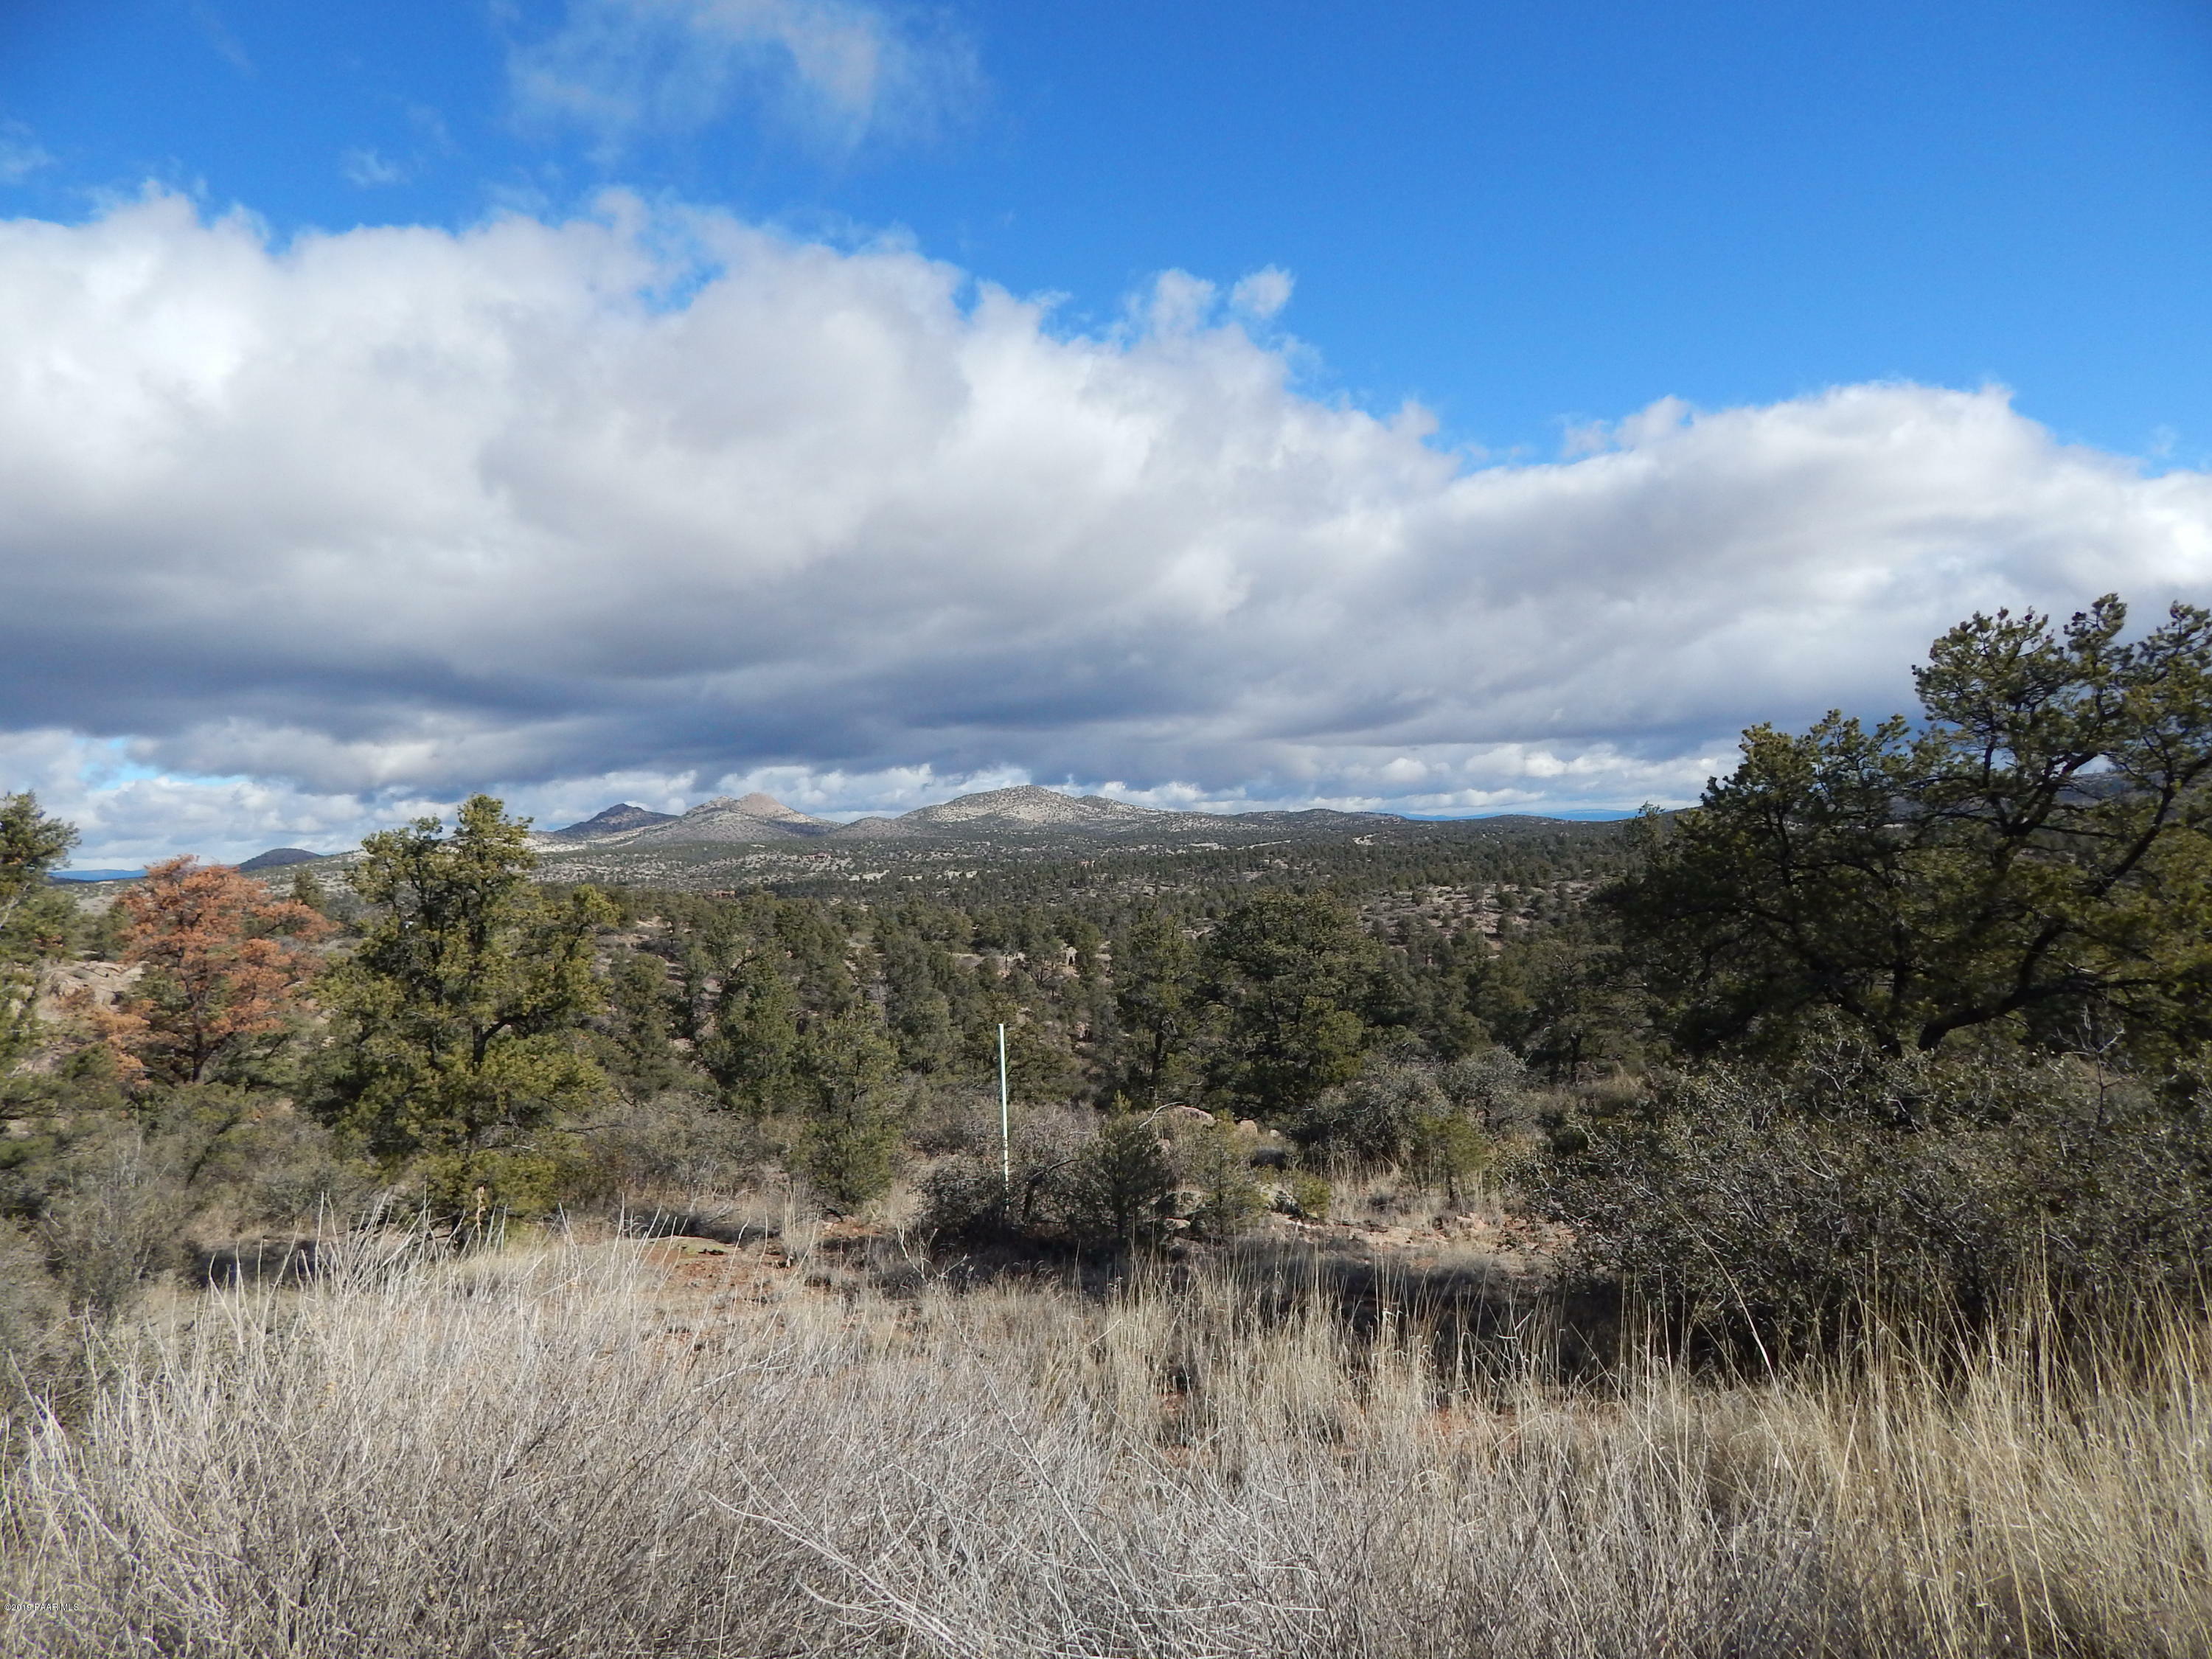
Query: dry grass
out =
(555, 1452)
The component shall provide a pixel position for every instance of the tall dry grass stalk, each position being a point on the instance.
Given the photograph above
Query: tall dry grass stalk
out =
(553, 1454)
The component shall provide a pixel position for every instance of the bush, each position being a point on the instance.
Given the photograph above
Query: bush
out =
(674, 1145)
(1120, 1187)
(1214, 1163)
(965, 1195)
(1792, 1206)
(1433, 1122)
(944, 1116)
(1490, 1089)
(1375, 1118)
(1305, 1196)
(34, 1345)
(253, 1162)
(111, 1218)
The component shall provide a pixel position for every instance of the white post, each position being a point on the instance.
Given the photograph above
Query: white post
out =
(1005, 1124)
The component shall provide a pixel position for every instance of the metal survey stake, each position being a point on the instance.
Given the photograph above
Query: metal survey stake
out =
(1006, 1132)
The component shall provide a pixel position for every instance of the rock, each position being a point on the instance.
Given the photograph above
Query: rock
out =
(70, 986)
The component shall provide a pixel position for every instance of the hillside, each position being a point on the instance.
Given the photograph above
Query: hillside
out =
(622, 816)
(1030, 837)
(279, 858)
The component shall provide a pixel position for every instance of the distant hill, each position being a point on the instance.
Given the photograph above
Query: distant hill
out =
(277, 857)
(1029, 813)
(1032, 804)
(1028, 808)
(612, 822)
(757, 817)
(725, 842)
(1032, 814)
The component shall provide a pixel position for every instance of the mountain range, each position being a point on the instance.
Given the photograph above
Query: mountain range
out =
(758, 835)
(1028, 811)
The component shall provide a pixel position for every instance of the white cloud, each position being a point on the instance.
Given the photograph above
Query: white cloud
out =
(1263, 294)
(364, 166)
(386, 516)
(839, 71)
(217, 33)
(128, 815)
(21, 154)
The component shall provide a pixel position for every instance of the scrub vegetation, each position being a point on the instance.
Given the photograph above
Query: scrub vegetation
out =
(1777, 1227)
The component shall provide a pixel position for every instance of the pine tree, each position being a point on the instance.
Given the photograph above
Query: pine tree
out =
(458, 1022)
(225, 966)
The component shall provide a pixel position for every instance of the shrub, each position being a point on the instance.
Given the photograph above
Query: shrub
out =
(33, 1337)
(111, 1218)
(1791, 1206)
(1214, 1163)
(1490, 1089)
(256, 1162)
(677, 1144)
(964, 1198)
(1120, 1185)
(1305, 1196)
(966, 1195)
(1434, 1122)
(1376, 1117)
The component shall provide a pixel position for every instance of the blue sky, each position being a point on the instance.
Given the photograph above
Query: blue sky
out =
(1808, 226)
(1522, 215)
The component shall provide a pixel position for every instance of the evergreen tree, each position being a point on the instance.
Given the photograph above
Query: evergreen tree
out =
(1157, 1003)
(850, 1145)
(635, 1046)
(224, 966)
(457, 1023)
(34, 922)
(1122, 1186)
(2033, 852)
(1292, 972)
(915, 1005)
(751, 1047)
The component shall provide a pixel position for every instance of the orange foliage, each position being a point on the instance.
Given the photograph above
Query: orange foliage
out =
(225, 962)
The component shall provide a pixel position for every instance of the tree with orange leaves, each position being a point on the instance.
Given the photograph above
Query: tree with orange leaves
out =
(225, 961)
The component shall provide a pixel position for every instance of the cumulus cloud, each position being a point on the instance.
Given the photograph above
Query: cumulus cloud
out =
(377, 518)
(1262, 294)
(838, 71)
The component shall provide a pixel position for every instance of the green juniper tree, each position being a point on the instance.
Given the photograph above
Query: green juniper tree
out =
(456, 1023)
(1292, 972)
(916, 1006)
(33, 920)
(1157, 1003)
(850, 1145)
(1122, 1186)
(751, 1047)
(633, 1045)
